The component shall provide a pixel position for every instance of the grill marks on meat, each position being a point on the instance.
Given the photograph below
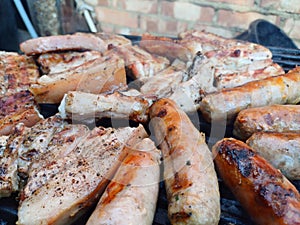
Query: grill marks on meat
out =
(80, 177)
(17, 72)
(19, 107)
(52, 63)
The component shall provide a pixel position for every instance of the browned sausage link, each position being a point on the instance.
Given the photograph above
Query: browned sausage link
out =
(274, 118)
(280, 149)
(190, 177)
(267, 196)
(225, 104)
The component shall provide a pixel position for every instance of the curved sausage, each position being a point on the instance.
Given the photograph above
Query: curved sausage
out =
(130, 198)
(190, 177)
(274, 118)
(282, 150)
(227, 103)
(267, 196)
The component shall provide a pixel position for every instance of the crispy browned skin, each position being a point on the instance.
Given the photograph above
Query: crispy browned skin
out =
(18, 108)
(226, 104)
(274, 118)
(190, 177)
(280, 149)
(268, 197)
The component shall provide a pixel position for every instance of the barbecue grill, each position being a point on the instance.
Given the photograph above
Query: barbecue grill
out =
(285, 53)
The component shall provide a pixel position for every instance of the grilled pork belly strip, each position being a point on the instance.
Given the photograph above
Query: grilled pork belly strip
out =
(35, 141)
(166, 47)
(165, 82)
(17, 108)
(17, 72)
(63, 142)
(113, 40)
(77, 41)
(52, 63)
(99, 75)
(190, 177)
(280, 149)
(227, 103)
(139, 62)
(81, 177)
(86, 106)
(131, 196)
(267, 196)
(273, 118)
(209, 41)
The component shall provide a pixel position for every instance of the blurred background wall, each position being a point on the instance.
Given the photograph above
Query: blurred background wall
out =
(227, 18)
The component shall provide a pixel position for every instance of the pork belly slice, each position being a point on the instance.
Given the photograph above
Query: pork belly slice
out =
(166, 47)
(113, 40)
(77, 41)
(47, 164)
(81, 177)
(51, 63)
(166, 81)
(99, 75)
(139, 62)
(119, 105)
(17, 108)
(17, 72)
(210, 41)
(35, 141)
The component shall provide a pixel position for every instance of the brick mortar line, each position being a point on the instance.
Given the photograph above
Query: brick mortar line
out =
(242, 8)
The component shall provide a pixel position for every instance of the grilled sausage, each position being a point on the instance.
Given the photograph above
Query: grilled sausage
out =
(227, 103)
(130, 198)
(274, 118)
(282, 150)
(266, 194)
(190, 177)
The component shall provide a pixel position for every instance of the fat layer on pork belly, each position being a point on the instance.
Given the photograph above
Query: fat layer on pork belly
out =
(79, 178)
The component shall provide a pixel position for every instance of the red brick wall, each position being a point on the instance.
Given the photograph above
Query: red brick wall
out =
(169, 17)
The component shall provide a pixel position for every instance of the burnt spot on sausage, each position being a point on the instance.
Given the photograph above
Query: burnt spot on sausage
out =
(238, 155)
(181, 182)
(181, 216)
(162, 113)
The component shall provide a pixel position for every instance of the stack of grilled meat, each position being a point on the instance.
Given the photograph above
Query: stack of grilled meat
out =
(69, 163)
